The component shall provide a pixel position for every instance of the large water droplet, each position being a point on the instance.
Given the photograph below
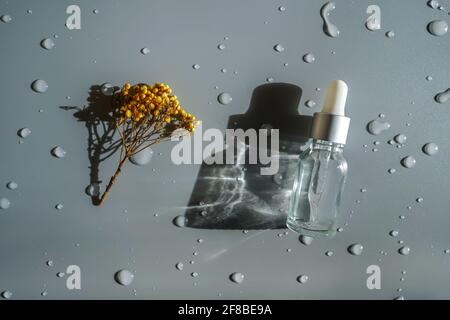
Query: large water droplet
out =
(355, 249)
(4, 203)
(309, 58)
(433, 4)
(376, 127)
(437, 27)
(404, 251)
(302, 278)
(58, 152)
(6, 294)
(124, 277)
(12, 185)
(306, 240)
(400, 138)
(180, 221)
(6, 18)
(39, 86)
(224, 98)
(237, 277)
(143, 157)
(430, 148)
(47, 43)
(24, 132)
(443, 97)
(329, 28)
(408, 162)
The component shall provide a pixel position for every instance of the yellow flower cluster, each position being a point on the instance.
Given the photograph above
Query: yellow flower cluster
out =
(153, 104)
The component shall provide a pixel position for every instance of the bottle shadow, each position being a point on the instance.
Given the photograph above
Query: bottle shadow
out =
(238, 196)
(101, 143)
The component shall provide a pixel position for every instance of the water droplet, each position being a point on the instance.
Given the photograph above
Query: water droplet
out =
(96, 11)
(278, 48)
(60, 274)
(437, 27)
(447, 251)
(49, 263)
(355, 249)
(310, 103)
(408, 162)
(329, 253)
(59, 206)
(393, 233)
(24, 132)
(196, 66)
(404, 251)
(107, 89)
(363, 190)
(4, 203)
(6, 18)
(44, 293)
(442, 97)
(329, 28)
(400, 138)
(237, 277)
(124, 277)
(194, 274)
(6, 294)
(142, 158)
(309, 58)
(302, 279)
(340, 229)
(47, 43)
(180, 221)
(270, 79)
(400, 298)
(12, 185)
(390, 34)
(145, 51)
(428, 78)
(376, 127)
(224, 98)
(221, 46)
(433, 4)
(419, 200)
(58, 152)
(179, 266)
(39, 86)
(93, 189)
(306, 240)
(281, 8)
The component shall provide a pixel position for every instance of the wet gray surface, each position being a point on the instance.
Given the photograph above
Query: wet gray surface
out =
(384, 75)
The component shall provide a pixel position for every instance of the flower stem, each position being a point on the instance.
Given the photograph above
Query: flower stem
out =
(112, 180)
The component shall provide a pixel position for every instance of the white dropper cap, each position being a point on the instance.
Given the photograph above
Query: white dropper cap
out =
(331, 124)
(335, 98)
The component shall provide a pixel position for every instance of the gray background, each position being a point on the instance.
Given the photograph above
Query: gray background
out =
(384, 76)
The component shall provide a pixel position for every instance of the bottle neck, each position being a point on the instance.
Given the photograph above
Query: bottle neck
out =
(318, 144)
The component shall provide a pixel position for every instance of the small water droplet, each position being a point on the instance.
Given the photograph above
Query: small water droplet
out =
(393, 233)
(400, 138)
(390, 34)
(59, 206)
(93, 189)
(430, 148)
(309, 58)
(278, 48)
(428, 78)
(223, 70)
(179, 266)
(107, 89)
(237, 277)
(47, 43)
(281, 8)
(180, 221)
(310, 103)
(142, 158)
(419, 200)
(96, 11)
(4, 203)
(306, 240)
(6, 18)
(270, 79)
(12, 185)
(408, 162)
(196, 66)
(49, 263)
(433, 4)
(302, 279)
(194, 274)
(437, 27)
(329, 253)
(404, 251)
(60, 274)
(44, 293)
(224, 98)
(124, 277)
(442, 97)
(6, 294)
(39, 86)
(355, 249)
(58, 152)
(24, 132)
(221, 46)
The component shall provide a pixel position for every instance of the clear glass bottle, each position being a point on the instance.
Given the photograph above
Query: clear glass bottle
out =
(322, 169)
(317, 189)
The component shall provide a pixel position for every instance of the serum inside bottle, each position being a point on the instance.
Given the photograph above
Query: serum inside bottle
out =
(322, 169)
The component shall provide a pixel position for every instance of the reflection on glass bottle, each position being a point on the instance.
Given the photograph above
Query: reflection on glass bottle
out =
(322, 169)
(317, 188)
